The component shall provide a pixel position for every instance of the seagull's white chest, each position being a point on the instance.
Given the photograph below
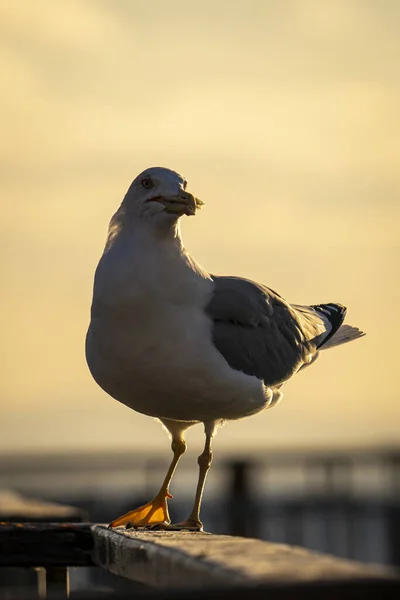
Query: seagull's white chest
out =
(150, 345)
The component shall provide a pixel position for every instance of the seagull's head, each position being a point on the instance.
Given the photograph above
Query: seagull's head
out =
(160, 194)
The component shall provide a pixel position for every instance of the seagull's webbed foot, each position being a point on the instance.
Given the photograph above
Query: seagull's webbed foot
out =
(188, 525)
(152, 513)
(156, 511)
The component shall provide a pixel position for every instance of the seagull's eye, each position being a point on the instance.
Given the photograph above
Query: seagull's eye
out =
(147, 183)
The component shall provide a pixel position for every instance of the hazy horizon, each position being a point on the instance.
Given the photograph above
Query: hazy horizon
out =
(283, 117)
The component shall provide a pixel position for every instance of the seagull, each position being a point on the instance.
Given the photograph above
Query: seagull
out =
(171, 341)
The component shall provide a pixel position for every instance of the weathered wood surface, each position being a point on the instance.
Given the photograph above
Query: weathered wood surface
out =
(18, 508)
(45, 545)
(196, 560)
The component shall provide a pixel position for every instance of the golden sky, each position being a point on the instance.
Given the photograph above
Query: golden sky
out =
(283, 116)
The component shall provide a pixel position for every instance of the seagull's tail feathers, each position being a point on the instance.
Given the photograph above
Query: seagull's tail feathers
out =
(345, 333)
(327, 327)
(333, 316)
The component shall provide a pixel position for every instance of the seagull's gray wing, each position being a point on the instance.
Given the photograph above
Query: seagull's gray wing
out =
(260, 334)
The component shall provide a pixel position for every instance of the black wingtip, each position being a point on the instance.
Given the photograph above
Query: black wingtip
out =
(335, 314)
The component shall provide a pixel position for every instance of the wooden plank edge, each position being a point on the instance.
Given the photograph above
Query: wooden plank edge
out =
(322, 590)
(190, 561)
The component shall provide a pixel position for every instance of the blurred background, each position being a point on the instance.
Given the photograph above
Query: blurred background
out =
(283, 116)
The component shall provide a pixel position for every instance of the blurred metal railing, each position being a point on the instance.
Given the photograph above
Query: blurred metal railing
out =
(346, 502)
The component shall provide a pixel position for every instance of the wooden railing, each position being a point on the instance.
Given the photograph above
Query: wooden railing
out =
(184, 564)
(188, 561)
(197, 560)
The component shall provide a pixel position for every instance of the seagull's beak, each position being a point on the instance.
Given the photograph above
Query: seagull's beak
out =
(184, 203)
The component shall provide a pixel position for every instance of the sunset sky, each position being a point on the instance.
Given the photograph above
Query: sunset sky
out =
(283, 115)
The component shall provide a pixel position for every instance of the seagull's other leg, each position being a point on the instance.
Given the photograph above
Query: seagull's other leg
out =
(156, 511)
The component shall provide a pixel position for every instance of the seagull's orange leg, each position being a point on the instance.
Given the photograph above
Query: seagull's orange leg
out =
(156, 511)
